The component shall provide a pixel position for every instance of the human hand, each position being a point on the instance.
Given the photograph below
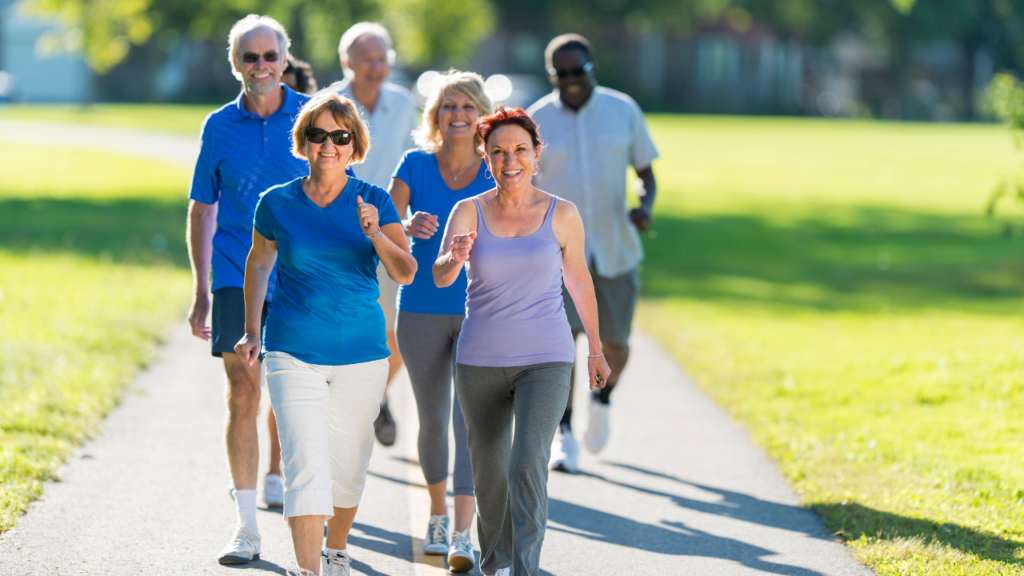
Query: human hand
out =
(369, 220)
(599, 371)
(461, 245)
(422, 225)
(640, 218)
(248, 348)
(197, 315)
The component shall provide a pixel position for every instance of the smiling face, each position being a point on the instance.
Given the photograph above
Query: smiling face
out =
(575, 84)
(456, 118)
(368, 60)
(260, 77)
(511, 157)
(328, 156)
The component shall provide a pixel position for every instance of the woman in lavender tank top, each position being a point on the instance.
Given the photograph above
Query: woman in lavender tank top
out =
(516, 349)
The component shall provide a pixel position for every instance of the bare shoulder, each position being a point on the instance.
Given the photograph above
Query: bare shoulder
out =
(565, 211)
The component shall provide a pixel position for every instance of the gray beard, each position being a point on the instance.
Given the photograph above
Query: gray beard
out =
(254, 87)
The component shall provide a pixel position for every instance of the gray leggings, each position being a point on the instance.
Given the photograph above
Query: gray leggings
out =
(427, 343)
(511, 473)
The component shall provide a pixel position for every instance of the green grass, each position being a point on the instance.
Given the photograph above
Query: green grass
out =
(170, 117)
(94, 270)
(837, 288)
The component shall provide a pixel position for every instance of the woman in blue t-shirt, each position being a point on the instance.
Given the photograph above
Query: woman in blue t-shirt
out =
(429, 181)
(324, 340)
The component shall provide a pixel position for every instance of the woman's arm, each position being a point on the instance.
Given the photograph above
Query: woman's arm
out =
(419, 225)
(459, 235)
(258, 267)
(389, 242)
(568, 228)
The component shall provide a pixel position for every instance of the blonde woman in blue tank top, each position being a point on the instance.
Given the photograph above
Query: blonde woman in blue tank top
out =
(516, 349)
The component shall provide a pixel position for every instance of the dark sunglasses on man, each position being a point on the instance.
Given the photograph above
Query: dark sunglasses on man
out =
(563, 74)
(253, 57)
(319, 136)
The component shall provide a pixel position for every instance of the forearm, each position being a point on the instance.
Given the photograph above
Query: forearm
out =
(257, 275)
(583, 297)
(401, 265)
(199, 236)
(650, 189)
(446, 270)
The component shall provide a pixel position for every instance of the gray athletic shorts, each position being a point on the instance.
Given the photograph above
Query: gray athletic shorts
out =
(616, 302)
(388, 296)
(228, 319)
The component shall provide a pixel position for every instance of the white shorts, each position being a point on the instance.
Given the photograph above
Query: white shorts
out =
(325, 420)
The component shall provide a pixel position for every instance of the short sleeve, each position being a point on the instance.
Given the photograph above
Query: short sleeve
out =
(405, 168)
(642, 151)
(205, 185)
(386, 212)
(263, 220)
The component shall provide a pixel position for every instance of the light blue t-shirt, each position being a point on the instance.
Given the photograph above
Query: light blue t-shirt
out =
(429, 193)
(325, 309)
(241, 154)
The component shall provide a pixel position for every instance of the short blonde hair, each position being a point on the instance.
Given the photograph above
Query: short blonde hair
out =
(470, 85)
(345, 114)
(248, 24)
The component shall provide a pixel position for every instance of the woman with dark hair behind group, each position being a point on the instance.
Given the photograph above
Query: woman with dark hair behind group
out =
(298, 75)
(516, 349)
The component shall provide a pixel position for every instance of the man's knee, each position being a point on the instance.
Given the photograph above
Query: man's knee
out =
(243, 388)
(615, 354)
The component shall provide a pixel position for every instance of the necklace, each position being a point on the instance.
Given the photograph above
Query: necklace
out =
(455, 177)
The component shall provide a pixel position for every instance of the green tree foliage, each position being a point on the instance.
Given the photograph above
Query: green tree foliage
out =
(1005, 99)
(425, 31)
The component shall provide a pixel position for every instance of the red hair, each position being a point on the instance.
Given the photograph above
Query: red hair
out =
(503, 116)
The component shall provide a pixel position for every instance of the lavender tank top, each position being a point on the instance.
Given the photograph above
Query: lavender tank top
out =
(514, 310)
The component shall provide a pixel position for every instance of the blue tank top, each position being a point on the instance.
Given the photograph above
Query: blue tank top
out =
(514, 310)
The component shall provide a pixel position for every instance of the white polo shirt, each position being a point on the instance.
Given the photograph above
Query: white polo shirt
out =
(584, 160)
(391, 124)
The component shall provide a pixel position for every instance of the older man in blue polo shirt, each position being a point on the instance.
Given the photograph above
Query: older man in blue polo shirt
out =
(245, 149)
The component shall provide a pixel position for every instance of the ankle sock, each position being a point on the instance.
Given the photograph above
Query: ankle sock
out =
(245, 502)
(566, 418)
(331, 552)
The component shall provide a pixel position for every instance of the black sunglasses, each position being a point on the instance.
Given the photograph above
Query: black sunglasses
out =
(585, 69)
(252, 57)
(319, 135)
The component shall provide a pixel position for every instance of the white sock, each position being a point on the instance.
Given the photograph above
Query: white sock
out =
(330, 552)
(245, 501)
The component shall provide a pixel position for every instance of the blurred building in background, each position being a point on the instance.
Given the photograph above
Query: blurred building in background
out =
(715, 67)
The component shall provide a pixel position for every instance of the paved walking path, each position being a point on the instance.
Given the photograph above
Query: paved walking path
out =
(679, 490)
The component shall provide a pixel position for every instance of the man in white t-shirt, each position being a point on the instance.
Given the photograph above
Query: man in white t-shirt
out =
(391, 115)
(592, 136)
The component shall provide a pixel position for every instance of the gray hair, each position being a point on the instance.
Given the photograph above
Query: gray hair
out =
(357, 31)
(248, 24)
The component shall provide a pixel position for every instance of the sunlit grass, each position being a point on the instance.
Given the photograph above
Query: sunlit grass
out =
(837, 288)
(91, 275)
(169, 117)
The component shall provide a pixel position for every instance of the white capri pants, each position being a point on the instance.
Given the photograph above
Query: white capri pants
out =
(325, 420)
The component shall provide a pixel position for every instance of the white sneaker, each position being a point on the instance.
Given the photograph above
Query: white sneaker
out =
(564, 451)
(460, 554)
(438, 534)
(596, 437)
(273, 490)
(243, 548)
(504, 572)
(293, 569)
(338, 564)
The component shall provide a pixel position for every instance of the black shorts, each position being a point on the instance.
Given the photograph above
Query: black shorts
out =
(228, 319)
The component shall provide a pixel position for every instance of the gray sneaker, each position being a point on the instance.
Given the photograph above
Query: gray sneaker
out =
(460, 554)
(438, 534)
(273, 491)
(243, 548)
(337, 564)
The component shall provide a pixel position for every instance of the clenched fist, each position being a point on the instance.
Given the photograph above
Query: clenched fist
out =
(461, 245)
(422, 225)
(369, 219)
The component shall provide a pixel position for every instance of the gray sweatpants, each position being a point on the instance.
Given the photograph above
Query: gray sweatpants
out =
(511, 473)
(428, 343)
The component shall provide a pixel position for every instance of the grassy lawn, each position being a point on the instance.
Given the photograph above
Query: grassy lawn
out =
(836, 287)
(94, 272)
(171, 117)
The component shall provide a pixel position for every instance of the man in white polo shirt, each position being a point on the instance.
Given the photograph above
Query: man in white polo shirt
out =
(391, 115)
(592, 136)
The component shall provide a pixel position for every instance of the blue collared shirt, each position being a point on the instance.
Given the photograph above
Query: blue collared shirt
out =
(241, 155)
